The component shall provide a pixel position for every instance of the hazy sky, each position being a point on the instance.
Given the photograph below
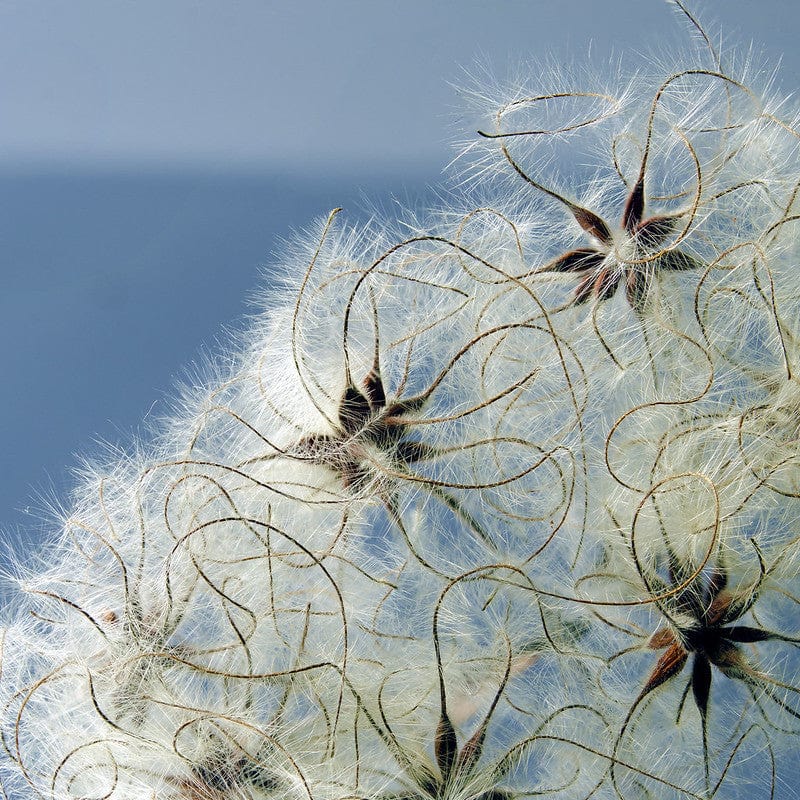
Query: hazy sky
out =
(304, 82)
(139, 142)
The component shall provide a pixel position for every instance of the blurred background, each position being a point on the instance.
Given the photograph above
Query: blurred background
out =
(154, 154)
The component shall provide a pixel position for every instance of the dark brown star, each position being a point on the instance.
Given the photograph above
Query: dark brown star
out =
(703, 624)
(367, 420)
(633, 254)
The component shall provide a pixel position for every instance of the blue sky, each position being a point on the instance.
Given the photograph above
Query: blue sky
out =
(258, 81)
(153, 153)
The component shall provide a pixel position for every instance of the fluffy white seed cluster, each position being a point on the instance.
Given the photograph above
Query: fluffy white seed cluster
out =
(505, 507)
